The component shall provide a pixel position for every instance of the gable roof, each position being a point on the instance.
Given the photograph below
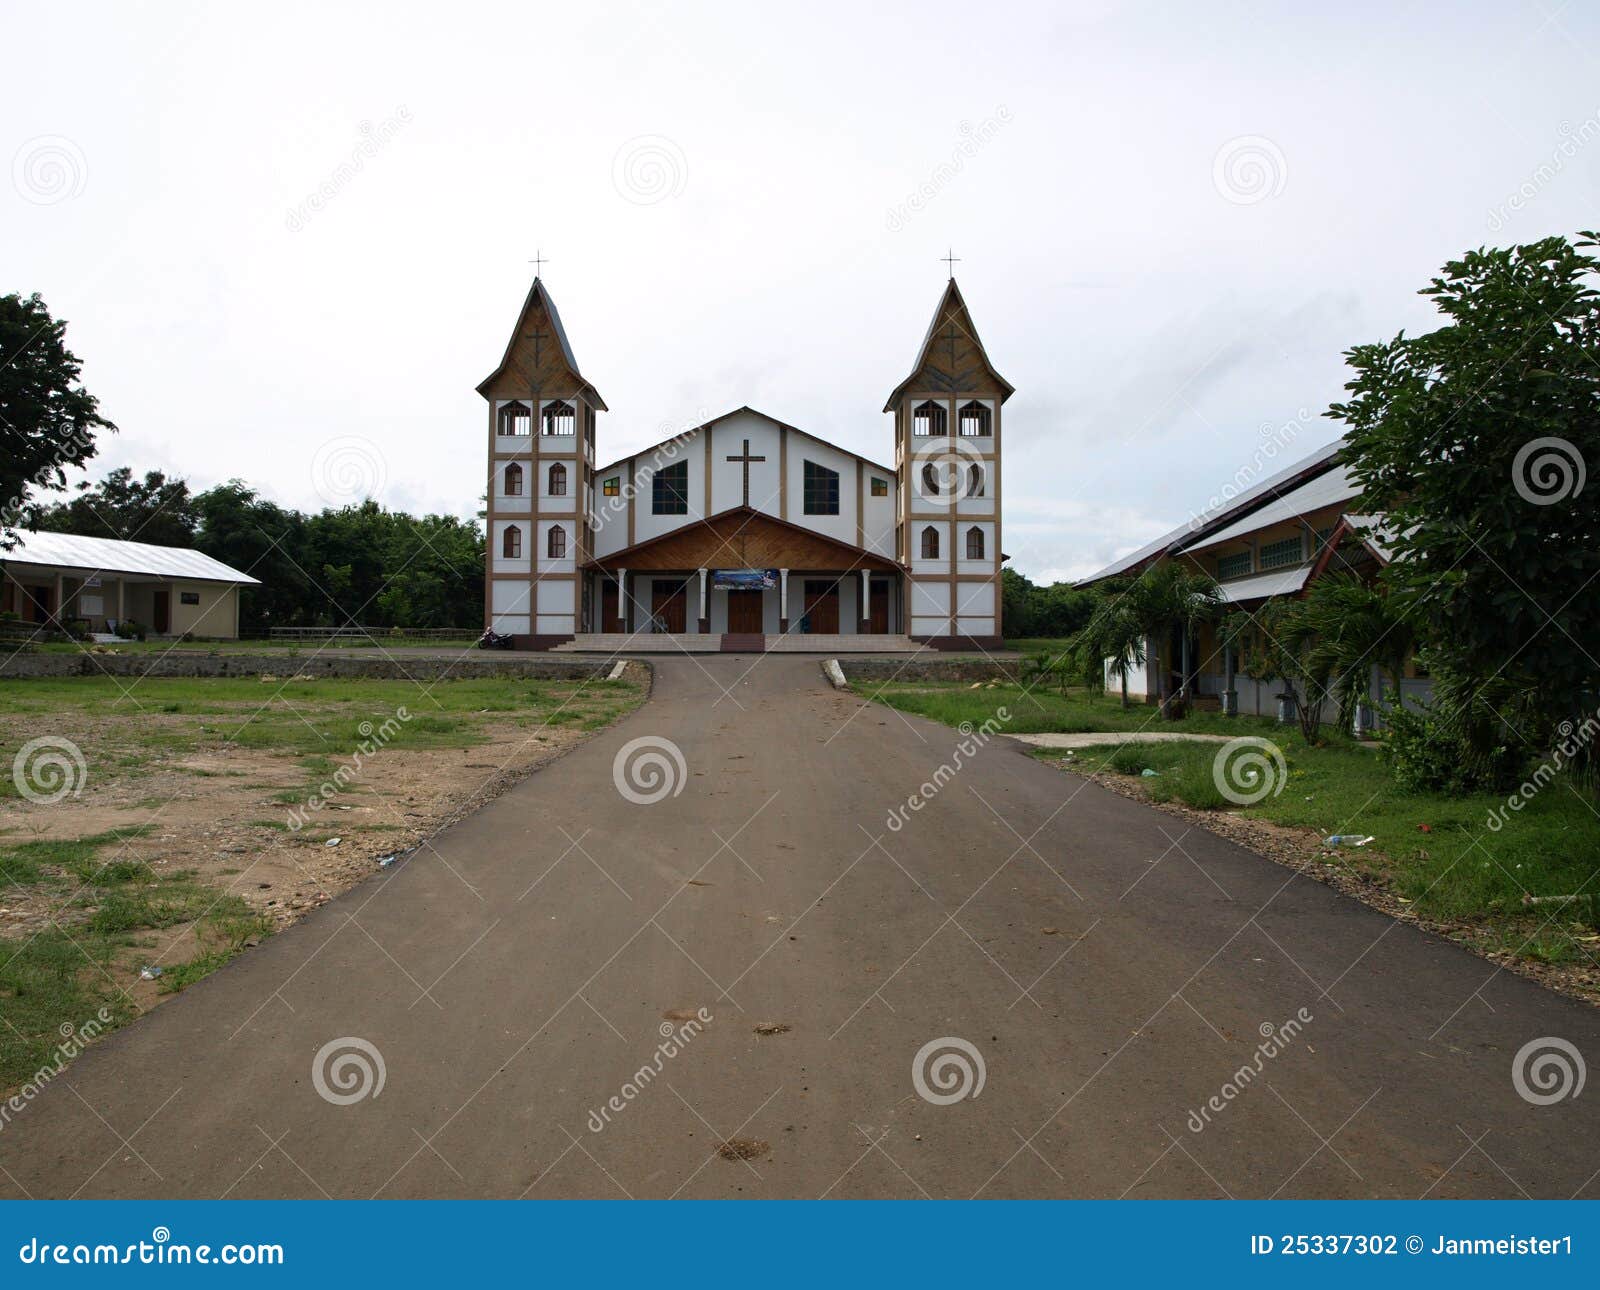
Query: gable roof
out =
(950, 305)
(1200, 527)
(111, 555)
(706, 425)
(1336, 485)
(758, 524)
(538, 295)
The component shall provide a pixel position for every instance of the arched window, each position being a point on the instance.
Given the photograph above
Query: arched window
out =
(558, 480)
(974, 543)
(511, 543)
(927, 418)
(975, 480)
(930, 480)
(513, 480)
(930, 543)
(559, 418)
(973, 419)
(515, 418)
(555, 545)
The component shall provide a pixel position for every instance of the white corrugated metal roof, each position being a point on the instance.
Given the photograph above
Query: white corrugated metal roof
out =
(1336, 485)
(1376, 532)
(108, 555)
(1280, 582)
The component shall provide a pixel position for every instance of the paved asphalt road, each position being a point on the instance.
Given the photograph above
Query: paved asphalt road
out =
(1111, 969)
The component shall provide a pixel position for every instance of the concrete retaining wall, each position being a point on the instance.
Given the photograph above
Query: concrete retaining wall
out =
(858, 667)
(472, 666)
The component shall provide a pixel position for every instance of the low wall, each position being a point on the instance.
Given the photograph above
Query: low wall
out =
(860, 667)
(472, 666)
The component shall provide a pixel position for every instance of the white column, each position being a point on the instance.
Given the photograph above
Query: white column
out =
(783, 594)
(623, 604)
(705, 608)
(866, 600)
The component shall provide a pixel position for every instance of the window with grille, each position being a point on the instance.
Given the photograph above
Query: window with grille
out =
(821, 490)
(556, 543)
(559, 418)
(880, 487)
(511, 543)
(513, 480)
(973, 419)
(558, 480)
(975, 480)
(930, 480)
(669, 490)
(928, 418)
(974, 543)
(1276, 555)
(515, 418)
(1233, 566)
(930, 543)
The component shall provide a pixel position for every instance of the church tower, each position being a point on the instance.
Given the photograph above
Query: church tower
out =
(947, 451)
(541, 465)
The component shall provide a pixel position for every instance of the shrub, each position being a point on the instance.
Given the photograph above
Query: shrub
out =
(1450, 746)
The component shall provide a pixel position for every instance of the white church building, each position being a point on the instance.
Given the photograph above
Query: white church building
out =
(745, 532)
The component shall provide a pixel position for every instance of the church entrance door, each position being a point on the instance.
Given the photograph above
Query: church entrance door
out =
(669, 605)
(822, 606)
(744, 611)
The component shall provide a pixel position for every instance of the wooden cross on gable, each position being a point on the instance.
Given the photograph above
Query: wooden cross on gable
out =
(952, 379)
(745, 461)
(537, 336)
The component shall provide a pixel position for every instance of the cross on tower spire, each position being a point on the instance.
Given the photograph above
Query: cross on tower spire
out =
(950, 261)
(538, 261)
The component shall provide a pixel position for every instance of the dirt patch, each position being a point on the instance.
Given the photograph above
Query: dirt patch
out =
(1303, 851)
(743, 1149)
(772, 1028)
(681, 1014)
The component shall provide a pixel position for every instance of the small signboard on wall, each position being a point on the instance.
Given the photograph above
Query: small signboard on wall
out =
(188, 597)
(744, 579)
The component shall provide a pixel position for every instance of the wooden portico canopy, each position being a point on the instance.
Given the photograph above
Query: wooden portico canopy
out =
(742, 538)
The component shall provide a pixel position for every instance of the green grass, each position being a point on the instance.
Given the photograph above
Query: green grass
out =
(1036, 710)
(82, 961)
(286, 648)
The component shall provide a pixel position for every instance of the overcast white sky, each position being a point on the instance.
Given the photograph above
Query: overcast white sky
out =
(1172, 221)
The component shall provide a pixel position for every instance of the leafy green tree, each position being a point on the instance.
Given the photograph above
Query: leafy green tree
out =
(1476, 439)
(48, 421)
(154, 509)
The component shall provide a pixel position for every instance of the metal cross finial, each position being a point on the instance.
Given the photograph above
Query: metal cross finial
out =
(950, 261)
(538, 261)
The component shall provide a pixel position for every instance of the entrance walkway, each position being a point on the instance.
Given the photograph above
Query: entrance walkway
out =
(712, 643)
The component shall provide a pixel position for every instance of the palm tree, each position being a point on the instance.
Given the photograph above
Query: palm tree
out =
(1168, 596)
(1113, 635)
(1358, 626)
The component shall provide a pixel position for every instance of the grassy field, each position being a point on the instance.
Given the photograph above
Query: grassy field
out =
(1037, 710)
(1436, 853)
(185, 815)
(380, 641)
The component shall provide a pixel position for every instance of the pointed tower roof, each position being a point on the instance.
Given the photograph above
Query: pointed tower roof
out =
(534, 360)
(952, 324)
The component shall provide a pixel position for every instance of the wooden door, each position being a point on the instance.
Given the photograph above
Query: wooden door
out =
(610, 619)
(669, 603)
(822, 605)
(160, 609)
(744, 611)
(878, 614)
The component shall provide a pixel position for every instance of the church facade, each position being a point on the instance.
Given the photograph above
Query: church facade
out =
(744, 530)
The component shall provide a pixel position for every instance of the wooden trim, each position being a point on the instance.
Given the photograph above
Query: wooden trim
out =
(861, 523)
(632, 486)
(783, 472)
(705, 501)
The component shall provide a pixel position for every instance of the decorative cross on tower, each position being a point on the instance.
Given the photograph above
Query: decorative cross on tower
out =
(950, 261)
(537, 336)
(745, 461)
(538, 262)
